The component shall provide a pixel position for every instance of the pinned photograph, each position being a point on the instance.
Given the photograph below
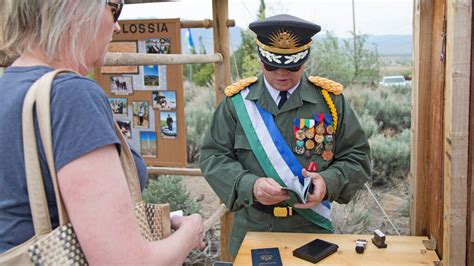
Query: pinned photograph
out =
(141, 114)
(168, 124)
(121, 47)
(148, 144)
(121, 85)
(158, 45)
(125, 127)
(119, 106)
(164, 100)
(151, 77)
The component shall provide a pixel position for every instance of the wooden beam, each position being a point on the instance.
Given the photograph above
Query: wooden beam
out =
(220, 10)
(470, 180)
(422, 37)
(206, 23)
(133, 59)
(458, 55)
(147, 1)
(427, 160)
(435, 110)
(174, 171)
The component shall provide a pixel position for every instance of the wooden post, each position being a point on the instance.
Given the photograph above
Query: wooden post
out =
(470, 181)
(428, 114)
(220, 10)
(456, 126)
(422, 18)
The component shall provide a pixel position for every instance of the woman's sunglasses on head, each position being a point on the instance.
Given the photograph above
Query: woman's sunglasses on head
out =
(116, 8)
(272, 68)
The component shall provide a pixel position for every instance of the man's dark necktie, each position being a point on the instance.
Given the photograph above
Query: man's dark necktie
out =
(283, 98)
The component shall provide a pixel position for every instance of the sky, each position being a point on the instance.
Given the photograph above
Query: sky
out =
(374, 17)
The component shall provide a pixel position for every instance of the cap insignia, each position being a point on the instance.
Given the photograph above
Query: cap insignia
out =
(284, 39)
(239, 85)
(327, 84)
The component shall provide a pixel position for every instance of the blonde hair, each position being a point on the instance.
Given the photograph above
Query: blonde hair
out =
(63, 29)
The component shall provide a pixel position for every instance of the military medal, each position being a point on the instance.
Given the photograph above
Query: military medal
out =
(328, 138)
(328, 146)
(299, 134)
(319, 138)
(307, 154)
(311, 167)
(330, 130)
(319, 149)
(309, 133)
(299, 150)
(327, 155)
(320, 129)
(309, 144)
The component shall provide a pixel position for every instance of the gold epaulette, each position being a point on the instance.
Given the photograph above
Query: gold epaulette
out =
(238, 86)
(327, 84)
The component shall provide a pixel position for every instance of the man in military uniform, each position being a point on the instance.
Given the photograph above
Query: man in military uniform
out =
(280, 131)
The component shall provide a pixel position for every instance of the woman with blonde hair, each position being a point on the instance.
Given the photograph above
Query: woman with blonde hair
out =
(73, 34)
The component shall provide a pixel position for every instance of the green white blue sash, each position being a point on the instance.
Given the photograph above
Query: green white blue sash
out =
(274, 156)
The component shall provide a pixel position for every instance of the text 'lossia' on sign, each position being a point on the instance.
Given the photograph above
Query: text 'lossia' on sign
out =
(143, 27)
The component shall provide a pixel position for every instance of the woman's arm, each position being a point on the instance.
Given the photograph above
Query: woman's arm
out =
(98, 202)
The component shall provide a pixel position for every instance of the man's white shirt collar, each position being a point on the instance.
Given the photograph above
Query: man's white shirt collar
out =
(276, 93)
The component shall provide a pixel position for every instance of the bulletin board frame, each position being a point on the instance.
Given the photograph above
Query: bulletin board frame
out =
(148, 101)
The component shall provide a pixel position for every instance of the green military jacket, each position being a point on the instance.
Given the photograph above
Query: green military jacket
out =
(230, 167)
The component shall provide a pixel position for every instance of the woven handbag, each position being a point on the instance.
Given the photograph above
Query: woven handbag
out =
(60, 246)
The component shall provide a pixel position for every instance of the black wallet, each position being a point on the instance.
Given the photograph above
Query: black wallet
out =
(315, 250)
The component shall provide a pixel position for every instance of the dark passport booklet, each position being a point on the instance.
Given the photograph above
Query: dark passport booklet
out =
(315, 250)
(266, 256)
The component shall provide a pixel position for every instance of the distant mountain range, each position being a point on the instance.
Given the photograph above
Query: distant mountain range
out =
(387, 45)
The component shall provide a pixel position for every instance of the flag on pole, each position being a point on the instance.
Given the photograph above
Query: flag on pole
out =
(189, 39)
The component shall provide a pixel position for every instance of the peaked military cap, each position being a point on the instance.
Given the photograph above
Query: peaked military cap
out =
(284, 41)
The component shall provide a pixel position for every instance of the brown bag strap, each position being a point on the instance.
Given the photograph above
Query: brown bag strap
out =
(129, 167)
(34, 178)
(43, 111)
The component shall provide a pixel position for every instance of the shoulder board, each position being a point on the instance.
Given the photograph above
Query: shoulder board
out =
(238, 86)
(327, 84)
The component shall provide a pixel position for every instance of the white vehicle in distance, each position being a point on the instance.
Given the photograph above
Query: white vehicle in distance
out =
(393, 81)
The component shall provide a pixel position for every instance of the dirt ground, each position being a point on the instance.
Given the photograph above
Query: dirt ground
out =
(200, 190)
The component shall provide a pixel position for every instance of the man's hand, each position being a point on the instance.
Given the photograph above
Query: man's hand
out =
(267, 191)
(319, 190)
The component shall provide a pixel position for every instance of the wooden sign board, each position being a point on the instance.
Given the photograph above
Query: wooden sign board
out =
(148, 101)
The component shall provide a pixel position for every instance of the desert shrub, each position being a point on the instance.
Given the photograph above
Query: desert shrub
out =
(395, 112)
(390, 157)
(169, 189)
(368, 123)
(351, 218)
(389, 106)
(198, 112)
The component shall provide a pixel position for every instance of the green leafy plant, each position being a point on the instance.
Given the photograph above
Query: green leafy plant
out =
(169, 189)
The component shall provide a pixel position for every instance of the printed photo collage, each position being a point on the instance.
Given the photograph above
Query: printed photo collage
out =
(136, 118)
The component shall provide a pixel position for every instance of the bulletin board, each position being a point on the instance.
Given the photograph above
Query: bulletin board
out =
(148, 101)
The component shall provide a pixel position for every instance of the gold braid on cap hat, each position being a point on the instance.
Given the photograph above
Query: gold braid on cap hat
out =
(283, 42)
